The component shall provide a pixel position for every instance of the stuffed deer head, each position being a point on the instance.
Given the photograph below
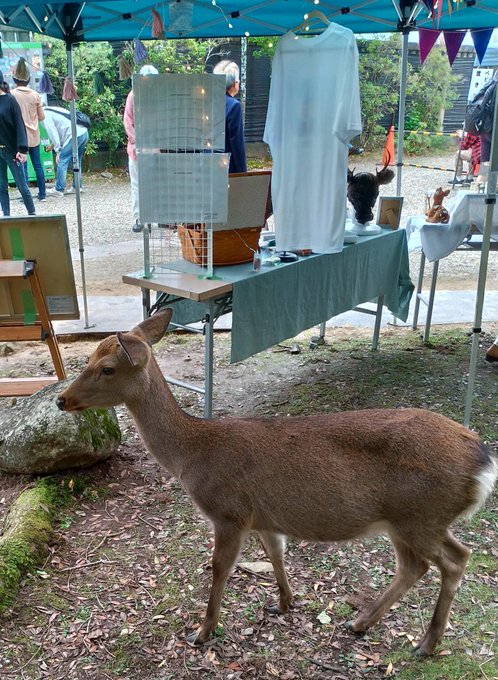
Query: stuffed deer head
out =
(363, 190)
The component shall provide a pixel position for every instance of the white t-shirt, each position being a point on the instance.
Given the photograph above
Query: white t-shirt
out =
(313, 112)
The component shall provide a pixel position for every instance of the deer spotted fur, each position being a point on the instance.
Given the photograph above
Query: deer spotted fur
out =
(406, 472)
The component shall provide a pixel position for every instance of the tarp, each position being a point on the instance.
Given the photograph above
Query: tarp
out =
(125, 20)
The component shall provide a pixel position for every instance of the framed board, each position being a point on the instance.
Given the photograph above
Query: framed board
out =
(248, 200)
(389, 214)
(42, 238)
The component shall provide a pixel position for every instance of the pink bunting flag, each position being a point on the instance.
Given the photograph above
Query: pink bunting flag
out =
(426, 40)
(481, 40)
(453, 40)
(157, 25)
(69, 93)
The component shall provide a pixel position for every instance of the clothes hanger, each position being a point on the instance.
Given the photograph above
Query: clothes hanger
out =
(315, 14)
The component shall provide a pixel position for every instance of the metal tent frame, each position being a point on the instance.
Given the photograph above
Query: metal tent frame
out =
(97, 20)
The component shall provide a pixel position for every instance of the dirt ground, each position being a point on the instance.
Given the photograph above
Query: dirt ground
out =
(128, 578)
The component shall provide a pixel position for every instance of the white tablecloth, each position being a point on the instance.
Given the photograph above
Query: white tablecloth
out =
(468, 209)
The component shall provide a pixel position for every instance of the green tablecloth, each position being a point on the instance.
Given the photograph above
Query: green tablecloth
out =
(278, 303)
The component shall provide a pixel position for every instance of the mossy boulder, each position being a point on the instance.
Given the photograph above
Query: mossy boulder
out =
(37, 438)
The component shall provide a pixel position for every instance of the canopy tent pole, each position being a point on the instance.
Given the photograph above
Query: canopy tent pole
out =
(77, 180)
(483, 266)
(401, 109)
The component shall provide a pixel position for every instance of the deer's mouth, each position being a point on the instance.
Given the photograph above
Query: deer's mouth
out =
(64, 405)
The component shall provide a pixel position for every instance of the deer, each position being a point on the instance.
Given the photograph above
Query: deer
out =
(437, 213)
(405, 472)
(363, 190)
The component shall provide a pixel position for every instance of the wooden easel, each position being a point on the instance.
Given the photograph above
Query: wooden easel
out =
(41, 329)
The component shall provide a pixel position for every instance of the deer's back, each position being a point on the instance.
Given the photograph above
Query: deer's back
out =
(349, 470)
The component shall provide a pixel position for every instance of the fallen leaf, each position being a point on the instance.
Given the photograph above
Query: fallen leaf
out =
(323, 617)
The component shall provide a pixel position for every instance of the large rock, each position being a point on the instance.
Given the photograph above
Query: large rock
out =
(36, 437)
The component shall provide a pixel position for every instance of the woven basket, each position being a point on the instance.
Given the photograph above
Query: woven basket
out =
(233, 246)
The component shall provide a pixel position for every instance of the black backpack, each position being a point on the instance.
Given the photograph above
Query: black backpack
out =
(81, 118)
(480, 111)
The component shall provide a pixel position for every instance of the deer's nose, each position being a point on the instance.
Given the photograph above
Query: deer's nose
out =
(61, 402)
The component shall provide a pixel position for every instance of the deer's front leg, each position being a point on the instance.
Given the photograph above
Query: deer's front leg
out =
(227, 544)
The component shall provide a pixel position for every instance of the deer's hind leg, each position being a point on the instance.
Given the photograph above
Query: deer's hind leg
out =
(410, 567)
(274, 545)
(451, 558)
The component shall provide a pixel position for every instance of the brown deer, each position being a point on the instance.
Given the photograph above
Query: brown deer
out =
(363, 190)
(436, 212)
(405, 472)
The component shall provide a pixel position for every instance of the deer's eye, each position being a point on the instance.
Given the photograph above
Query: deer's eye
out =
(107, 370)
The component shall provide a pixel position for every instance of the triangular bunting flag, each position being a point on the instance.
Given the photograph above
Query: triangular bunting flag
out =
(139, 51)
(426, 39)
(69, 93)
(481, 40)
(453, 40)
(45, 86)
(157, 25)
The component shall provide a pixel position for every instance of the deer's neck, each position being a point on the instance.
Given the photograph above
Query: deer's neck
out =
(164, 427)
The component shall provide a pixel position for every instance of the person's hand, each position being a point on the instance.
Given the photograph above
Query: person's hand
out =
(49, 147)
(20, 157)
(57, 156)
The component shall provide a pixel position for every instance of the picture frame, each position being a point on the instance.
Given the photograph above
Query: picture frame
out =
(389, 212)
(42, 238)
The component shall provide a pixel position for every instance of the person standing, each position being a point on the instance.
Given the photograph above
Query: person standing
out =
(469, 151)
(129, 126)
(58, 127)
(32, 112)
(234, 125)
(13, 150)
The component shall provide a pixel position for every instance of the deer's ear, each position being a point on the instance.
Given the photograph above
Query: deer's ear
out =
(385, 176)
(134, 348)
(152, 329)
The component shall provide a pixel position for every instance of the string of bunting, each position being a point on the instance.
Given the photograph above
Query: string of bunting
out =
(45, 86)
(453, 41)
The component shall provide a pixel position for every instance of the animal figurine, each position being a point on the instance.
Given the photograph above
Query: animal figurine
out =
(405, 472)
(363, 190)
(436, 212)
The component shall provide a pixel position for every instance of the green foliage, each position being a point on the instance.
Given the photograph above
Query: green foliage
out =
(101, 94)
(179, 56)
(430, 90)
(266, 46)
(379, 85)
(89, 59)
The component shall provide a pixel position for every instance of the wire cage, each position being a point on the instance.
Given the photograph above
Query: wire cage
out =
(182, 168)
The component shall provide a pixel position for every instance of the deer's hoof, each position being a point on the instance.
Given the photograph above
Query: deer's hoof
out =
(194, 639)
(276, 609)
(420, 653)
(273, 609)
(349, 625)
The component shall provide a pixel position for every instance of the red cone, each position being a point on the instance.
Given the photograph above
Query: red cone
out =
(388, 155)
